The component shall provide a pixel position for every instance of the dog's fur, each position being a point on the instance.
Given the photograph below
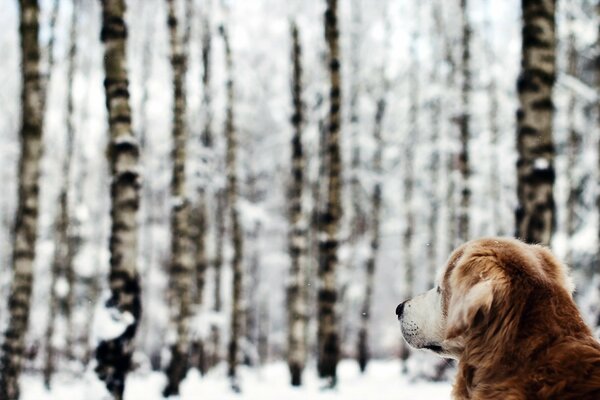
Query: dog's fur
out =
(505, 310)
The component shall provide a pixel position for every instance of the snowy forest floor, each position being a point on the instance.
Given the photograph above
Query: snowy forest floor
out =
(382, 381)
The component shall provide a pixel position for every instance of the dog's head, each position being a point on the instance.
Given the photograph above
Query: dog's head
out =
(485, 281)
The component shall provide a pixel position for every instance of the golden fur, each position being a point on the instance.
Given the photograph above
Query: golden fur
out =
(509, 305)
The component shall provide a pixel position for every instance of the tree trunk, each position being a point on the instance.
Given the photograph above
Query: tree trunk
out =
(436, 128)
(535, 214)
(237, 310)
(464, 121)
(25, 228)
(447, 101)
(199, 358)
(410, 144)
(62, 264)
(496, 194)
(45, 79)
(218, 266)
(114, 354)
(329, 346)
(572, 147)
(363, 334)
(598, 155)
(297, 235)
(182, 259)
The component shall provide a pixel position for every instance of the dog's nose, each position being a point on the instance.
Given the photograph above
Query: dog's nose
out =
(400, 309)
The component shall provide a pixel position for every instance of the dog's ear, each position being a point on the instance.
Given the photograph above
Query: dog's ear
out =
(468, 307)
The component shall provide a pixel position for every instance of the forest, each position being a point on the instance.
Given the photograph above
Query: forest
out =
(226, 199)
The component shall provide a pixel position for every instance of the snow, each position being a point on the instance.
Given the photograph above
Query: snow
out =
(541, 163)
(382, 381)
(109, 322)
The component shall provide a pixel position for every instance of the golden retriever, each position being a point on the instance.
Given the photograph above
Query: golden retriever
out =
(505, 310)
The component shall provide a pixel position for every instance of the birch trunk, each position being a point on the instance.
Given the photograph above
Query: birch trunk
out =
(297, 236)
(535, 214)
(572, 147)
(25, 228)
(114, 355)
(62, 264)
(329, 346)
(182, 259)
(410, 144)
(363, 334)
(237, 310)
(465, 103)
(215, 356)
(449, 160)
(436, 128)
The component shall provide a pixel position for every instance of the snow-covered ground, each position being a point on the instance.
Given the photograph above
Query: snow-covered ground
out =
(382, 381)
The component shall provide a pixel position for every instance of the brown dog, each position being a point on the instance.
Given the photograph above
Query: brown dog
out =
(505, 310)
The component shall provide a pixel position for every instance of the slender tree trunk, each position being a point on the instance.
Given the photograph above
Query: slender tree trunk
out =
(598, 155)
(114, 354)
(463, 157)
(25, 228)
(572, 147)
(358, 214)
(297, 236)
(182, 260)
(447, 100)
(410, 144)
(535, 214)
(363, 334)
(436, 128)
(329, 346)
(237, 310)
(62, 265)
(218, 266)
(495, 181)
(45, 78)
(199, 356)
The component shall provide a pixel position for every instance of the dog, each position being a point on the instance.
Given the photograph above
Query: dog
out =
(505, 310)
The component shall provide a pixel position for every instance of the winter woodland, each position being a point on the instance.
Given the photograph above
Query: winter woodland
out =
(225, 199)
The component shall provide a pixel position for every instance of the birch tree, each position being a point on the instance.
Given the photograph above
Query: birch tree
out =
(237, 310)
(328, 336)
(297, 236)
(25, 225)
(114, 354)
(464, 122)
(363, 333)
(535, 214)
(182, 261)
(573, 141)
(62, 264)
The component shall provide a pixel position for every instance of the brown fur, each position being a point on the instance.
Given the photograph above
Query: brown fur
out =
(524, 340)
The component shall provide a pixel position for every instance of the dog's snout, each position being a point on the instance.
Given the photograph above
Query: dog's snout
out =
(400, 309)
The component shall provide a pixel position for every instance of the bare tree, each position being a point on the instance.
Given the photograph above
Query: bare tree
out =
(573, 144)
(237, 310)
(410, 142)
(62, 264)
(363, 334)
(328, 336)
(114, 354)
(297, 237)
(464, 121)
(181, 245)
(535, 214)
(200, 211)
(215, 334)
(25, 228)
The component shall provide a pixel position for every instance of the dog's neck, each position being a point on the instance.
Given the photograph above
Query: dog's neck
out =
(517, 338)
